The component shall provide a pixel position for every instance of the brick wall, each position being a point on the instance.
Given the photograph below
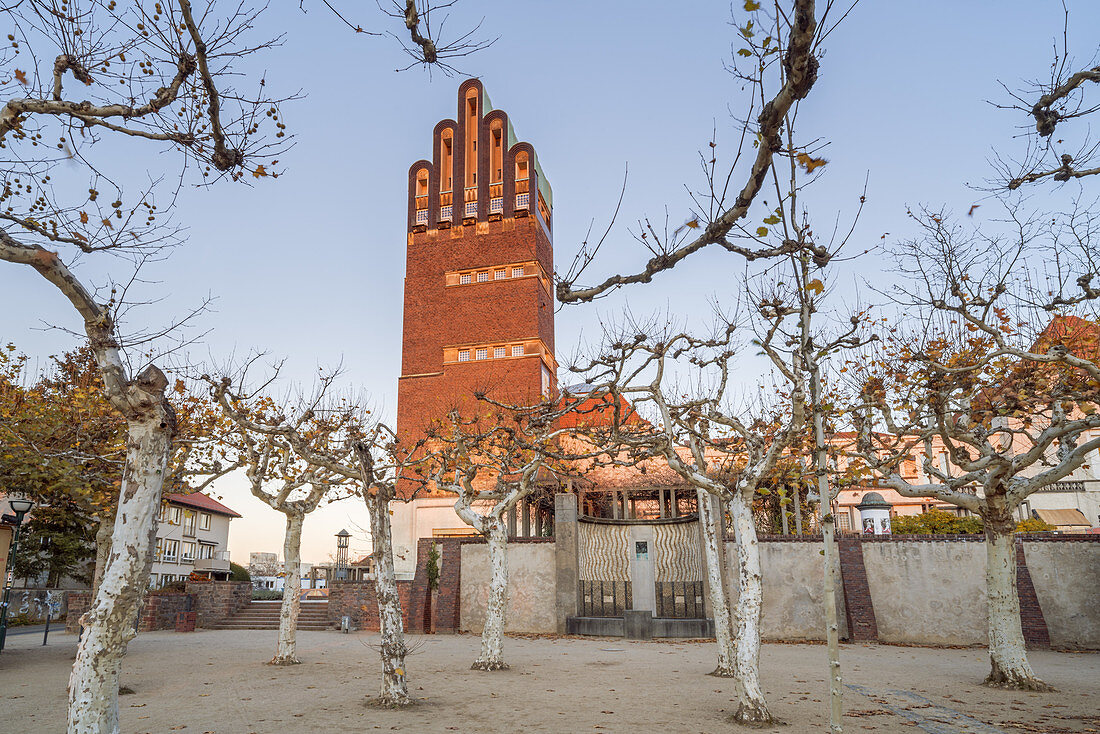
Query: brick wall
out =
(78, 603)
(162, 609)
(1036, 634)
(216, 600)
(858, 606)
(357, 599)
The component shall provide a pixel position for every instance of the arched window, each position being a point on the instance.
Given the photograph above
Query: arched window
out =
(523, 182)
(422, 196)
(446, 160)
(496, 155)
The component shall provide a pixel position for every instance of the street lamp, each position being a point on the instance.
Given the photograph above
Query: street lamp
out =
(343, 539)
(20, 507)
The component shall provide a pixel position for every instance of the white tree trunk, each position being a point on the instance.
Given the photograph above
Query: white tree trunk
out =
(109, 622)
(713, 548)
(492, 635)
(1009, 664)
(832, 625)
(395, 690)
(751, 706)
(102, 548)
(286, 653)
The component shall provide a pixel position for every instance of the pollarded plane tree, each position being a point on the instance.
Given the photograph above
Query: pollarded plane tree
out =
(493, 462)
(281, 478)
(778, 62)
(728, 446)
(338, 440)
(996, 390)
(85, 86)
(81, 83)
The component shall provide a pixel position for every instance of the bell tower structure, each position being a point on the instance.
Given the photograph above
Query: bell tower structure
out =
(479, 305)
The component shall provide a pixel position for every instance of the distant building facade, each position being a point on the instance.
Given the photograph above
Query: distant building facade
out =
(192, 535)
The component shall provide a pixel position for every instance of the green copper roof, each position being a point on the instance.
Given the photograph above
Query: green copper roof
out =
(544, 183)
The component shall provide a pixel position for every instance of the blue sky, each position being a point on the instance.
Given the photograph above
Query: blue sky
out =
(310, 266)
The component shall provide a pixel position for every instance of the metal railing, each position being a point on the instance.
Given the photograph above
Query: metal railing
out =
(605, 598)
(679, 599)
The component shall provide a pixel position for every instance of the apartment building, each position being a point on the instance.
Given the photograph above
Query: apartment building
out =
(192, 535)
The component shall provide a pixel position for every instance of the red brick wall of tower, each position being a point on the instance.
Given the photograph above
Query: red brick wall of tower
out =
(477, 277)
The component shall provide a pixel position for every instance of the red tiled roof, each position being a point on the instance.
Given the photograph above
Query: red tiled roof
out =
(202, 502)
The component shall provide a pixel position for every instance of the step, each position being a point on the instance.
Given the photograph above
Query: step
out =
(301, 627)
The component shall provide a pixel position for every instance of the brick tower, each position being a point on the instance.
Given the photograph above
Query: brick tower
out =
(479, 313)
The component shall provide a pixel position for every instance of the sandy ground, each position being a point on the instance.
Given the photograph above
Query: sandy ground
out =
(217, 682)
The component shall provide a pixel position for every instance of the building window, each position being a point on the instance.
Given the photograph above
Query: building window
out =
(171, 550)
(483, 277)
(159, 555)
(152, 581)
(463, 355)
(517, 272)
(465, 279)
(517, 350)
(204, 521)
(545, 380)
(500, 352)
(482, 353)
(500, 274)
(174, 518)
(189, 522)
(206, 550)
(188, 553)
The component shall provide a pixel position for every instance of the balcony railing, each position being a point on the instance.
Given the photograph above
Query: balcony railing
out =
(1078, 486)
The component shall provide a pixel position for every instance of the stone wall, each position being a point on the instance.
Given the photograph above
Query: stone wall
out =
(1066, 576)
(531, 577)
(928, 592)
(35, 604)
(216, 600)
(794, 589)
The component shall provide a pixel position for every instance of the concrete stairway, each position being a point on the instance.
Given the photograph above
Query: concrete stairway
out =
(264, 615)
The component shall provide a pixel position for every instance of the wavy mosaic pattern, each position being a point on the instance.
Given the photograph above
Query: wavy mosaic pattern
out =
(676, 556)
(604, 552)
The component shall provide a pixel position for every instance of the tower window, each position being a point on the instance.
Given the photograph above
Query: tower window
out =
(463, 355)
(500, 274)
(517, 350)
(517, 272)
(500, 352)
(482, 353)
(483, 276)
(465, 278)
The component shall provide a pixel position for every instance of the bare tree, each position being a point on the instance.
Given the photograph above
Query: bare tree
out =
(82, 83)
(336, 438)
(493, 463)
(1057, 99)
(281, 478)
(996, 408)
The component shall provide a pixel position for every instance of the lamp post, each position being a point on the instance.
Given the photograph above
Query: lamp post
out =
(343, 539)
(20, 507)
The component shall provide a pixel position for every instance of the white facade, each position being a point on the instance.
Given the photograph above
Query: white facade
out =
(186, 534)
